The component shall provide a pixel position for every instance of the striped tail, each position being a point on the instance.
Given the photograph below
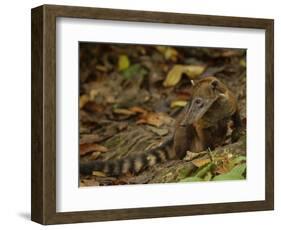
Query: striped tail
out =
(129, 164)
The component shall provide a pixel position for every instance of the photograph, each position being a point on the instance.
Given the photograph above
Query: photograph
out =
(161, 114)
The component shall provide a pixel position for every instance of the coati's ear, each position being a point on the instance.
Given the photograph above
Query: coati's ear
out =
(194, 81)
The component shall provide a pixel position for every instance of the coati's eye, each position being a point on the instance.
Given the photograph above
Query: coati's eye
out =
(199, 102)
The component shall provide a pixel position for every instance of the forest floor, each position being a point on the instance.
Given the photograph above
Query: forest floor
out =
(130, 96)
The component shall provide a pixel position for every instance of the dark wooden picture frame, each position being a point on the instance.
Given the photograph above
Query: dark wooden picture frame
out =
(43, 207)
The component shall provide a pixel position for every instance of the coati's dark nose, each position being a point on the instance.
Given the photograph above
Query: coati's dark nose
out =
(214, 83)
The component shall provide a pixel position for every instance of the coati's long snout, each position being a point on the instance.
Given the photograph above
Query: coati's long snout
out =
(196, 110)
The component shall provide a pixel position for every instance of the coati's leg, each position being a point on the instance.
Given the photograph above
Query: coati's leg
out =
(237, 119)
(237, 126)
(183, 139)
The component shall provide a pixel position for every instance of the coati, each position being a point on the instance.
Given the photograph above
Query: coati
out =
(201, 125)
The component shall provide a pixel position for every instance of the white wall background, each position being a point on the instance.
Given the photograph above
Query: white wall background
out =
(15, 113)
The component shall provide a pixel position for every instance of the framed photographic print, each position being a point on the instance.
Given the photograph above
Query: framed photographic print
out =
(140, 114)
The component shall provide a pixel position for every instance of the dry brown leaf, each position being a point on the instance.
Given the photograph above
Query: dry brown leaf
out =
(123, 112)
(83, 100)
(89, 138)
(160, 132)
(155, 119)
(138, 109)
(93, 94)
(201, 162)
(175, 74)
(86, 148)
(89, 182)
(101, 68)
(122, 126)
(94, 155)
(230, 53)
(98, 173)
(151, 119)
(191, 155)
(82, 184)
(221, 169)
(94, 107)
(110, 99)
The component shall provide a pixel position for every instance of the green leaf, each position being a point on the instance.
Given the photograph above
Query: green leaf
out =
(168, 52)
(134, 70)
(243, 62)
(236, 161)
(201, 172)
(228, 176)
(192, 179)
(183, 173)
(178, 103)
(235, 174)
(175, 74)
(239, 159)
(208, 176)
(123, 62)
(239, 169)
